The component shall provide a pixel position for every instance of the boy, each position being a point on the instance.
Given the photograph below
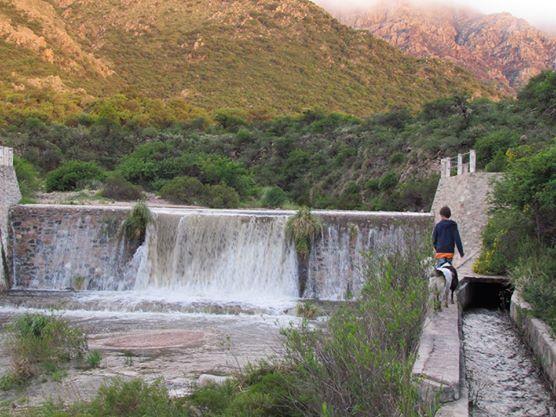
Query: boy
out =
(445, 237)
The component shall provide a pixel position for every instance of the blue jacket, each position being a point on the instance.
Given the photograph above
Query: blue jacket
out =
(446, 236)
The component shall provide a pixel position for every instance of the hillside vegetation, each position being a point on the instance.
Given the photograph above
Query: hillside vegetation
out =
(320, 159)
(266, 57)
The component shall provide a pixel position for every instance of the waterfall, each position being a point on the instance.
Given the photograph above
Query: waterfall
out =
(218, 256)
(201, 255)
(337, 262)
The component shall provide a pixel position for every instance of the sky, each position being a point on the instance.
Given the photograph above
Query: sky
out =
(541, 13)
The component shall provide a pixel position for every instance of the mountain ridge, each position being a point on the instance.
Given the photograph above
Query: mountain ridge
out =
(497, 47)
(258, 56)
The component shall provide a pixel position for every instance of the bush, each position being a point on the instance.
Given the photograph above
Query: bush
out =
(222, 196)
(503, 242)
(303, 228)
(534, 277)
(37, 342)
(118, 188)
(135, 226)
(74, 175)
(273, 197)
(27, 177)
(184, 190)
(93, 359)
(373, 339)
(388, 181)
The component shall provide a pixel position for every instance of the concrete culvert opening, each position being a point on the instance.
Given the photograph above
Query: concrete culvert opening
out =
(490, 295)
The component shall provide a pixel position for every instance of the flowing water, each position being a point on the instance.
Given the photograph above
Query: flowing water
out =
(503, 378)
(204, 256)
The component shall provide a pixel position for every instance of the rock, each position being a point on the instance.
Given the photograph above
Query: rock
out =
(496, 47)
(208, 379)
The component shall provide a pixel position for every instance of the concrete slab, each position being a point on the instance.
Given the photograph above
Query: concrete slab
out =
(439, 356)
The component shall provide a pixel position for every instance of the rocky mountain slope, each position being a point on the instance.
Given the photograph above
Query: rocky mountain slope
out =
(277, 56)
(496, 47)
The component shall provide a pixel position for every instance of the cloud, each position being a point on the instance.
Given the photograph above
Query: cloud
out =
(541, 13)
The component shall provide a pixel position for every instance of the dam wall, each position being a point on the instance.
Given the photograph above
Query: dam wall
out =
(9, 195)
(230, 254)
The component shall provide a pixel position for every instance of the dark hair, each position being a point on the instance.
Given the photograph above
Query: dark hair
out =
(446, 212)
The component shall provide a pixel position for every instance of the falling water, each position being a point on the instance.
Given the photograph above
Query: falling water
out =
(201, 255)
(220, 257)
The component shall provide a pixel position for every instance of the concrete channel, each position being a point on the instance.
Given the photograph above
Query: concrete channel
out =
(441, 365)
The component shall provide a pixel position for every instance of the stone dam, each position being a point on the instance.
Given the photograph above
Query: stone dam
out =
(189, 254)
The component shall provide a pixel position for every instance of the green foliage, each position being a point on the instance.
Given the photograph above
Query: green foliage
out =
(39, 343)
(373, 339)
(503, 241)
(27, 178)
(222, 196)
(308, 310)
(319, 159)
(530, 186)
(118, 188)
(135, 225)
(388, 181)
(93, 359)
(230, 119)
(534, 277)
(273, 197)
(540, 94)
(520, 236)
(184, 190)
(302, 229)
(74, 175)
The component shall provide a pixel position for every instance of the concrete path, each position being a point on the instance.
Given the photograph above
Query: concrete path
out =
(439, 356)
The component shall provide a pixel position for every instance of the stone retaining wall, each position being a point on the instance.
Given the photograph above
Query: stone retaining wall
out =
(538, 336)
(9, 195)
(57, 243)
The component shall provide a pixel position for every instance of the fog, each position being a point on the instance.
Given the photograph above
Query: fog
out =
(541, 13)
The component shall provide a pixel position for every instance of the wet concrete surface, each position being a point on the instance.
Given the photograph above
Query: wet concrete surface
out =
(176, 347)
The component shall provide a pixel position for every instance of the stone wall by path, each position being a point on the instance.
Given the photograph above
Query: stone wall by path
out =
(9, 195)
(538, 336)
(467, 195)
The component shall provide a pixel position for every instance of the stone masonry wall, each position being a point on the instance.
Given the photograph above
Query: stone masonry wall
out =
(467, 196)
(50, 246)
(9, 195)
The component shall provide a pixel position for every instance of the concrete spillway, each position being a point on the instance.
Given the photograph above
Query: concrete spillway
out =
(200, 254)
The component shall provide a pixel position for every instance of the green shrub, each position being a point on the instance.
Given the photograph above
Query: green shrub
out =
(303, 228)
(230, 119)
(388, 181)
(135, 225)
(38, 342)
(93, 359)
(222, 196)
(534, 277)
(373, 339)
(273, 197)
(118, 188)
(184, 190)
(27, 178)
(74, 175)
(308, 310)
(503, 243)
